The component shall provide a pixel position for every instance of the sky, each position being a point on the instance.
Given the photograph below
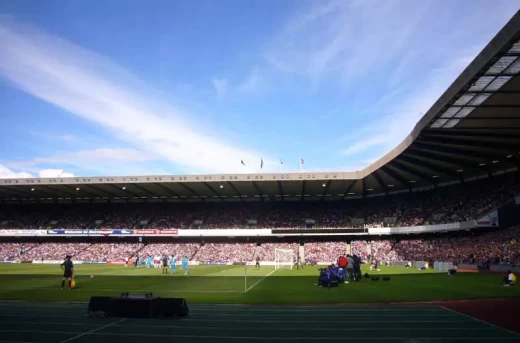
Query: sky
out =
(114, 88)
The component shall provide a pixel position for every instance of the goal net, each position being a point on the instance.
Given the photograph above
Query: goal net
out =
(283, 258)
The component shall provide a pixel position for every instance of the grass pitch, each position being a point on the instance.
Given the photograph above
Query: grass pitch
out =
(235, 285)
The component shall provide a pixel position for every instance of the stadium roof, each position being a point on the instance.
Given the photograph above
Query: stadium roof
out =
(472, 130)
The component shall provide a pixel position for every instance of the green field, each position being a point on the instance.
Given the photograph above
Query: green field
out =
(227, 284)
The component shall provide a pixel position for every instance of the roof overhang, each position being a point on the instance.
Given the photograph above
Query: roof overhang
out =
(472, 130)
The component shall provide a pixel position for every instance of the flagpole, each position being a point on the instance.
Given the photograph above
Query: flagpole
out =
(300, 164)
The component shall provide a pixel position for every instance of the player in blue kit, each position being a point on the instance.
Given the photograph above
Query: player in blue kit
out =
(148, 261)
(172, 264)
(185, 264)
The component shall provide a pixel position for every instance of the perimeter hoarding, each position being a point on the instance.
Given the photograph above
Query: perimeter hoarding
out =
(156, 232)
(112, 232)
(23, 232)
(90, 232)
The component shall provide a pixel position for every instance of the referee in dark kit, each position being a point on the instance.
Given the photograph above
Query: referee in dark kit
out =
(68, 269)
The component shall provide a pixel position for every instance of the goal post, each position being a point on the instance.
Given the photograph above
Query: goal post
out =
(283, 258)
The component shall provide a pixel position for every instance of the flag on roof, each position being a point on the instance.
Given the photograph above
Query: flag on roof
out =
(242, 161)
(261, 163)
(301, 160)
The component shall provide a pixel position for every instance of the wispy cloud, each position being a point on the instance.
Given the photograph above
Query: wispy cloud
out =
(101, 161)
(378, 136)
(97, 155)
(91, 87)
(350, 38)
(48, 173)
(6, 173)
(363, 145)
(252, 81)
(221, 87)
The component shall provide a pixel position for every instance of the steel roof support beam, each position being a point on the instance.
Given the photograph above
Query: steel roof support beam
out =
(144, 190)
(461, 151)
(280, 189)
(436, 156)
(401, 166)
(112, 194)
(28, 193)
(304, 186)
(458, 134)
(483, 118)
(168, 190)
(81, 192)
(437, 169)
(213, 190)
(13, 194)
(327, 185)
(491, 92)
(235, 190)
(363, 185)
(258, 190)
(349, 188)
(471, 143)
(189, 189)
(486, 106)
(379, 180)
(394, 175)
(66, 193)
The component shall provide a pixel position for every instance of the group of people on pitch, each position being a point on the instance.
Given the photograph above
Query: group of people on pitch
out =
(346, 269)
(167, 261)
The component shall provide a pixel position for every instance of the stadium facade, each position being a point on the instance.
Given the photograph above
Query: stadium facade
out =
(470, 134)
(472, 131)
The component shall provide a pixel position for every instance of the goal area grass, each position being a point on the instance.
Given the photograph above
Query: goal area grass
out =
(241, 285)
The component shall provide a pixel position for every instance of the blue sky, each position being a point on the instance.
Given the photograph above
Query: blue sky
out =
(169, 87)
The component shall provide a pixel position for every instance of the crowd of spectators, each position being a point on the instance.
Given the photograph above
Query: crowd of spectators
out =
(229, 252)
(266, 251)
(491, 247)
(175, 219)
(324, 251)
(108, 252)
(230, 220)
(12, 251)
(120, 220)
(53, 251)
(495, 246)
(443, 205)
(175, 249)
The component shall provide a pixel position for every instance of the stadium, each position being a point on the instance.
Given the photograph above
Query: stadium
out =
(448, 195)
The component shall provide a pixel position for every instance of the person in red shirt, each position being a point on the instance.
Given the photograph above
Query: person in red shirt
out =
(342, 262)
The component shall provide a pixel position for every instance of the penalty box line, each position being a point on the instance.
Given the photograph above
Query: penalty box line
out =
(256, 283)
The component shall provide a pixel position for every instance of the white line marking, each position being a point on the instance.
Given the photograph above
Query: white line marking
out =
(479, 320)
(262, 279)
(199, 313)
(93, 331)
(285, 321)
(239, 329)
(119, 291)
(269, 338)
(329, 321)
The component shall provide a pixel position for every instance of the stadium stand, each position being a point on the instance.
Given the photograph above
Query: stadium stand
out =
(496, 246)
(455, 203)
